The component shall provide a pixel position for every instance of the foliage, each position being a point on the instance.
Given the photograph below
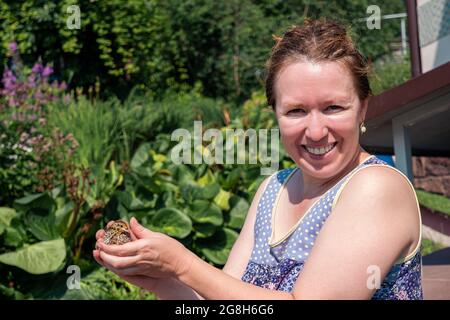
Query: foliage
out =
(390, 71)
(102, 284)
(138, 70)
(428, 246)
(27, 146)
(434, 201)
(163, 45)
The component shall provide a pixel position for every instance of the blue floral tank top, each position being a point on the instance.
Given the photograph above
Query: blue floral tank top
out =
(277, 266)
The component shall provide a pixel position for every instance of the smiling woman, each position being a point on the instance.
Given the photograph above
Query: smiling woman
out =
(342, 225)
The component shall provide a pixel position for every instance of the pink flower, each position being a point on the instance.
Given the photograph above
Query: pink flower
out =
(12, 47)
(37, 68)
(47, 71)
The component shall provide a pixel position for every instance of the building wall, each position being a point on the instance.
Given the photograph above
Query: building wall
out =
(432, 174)
(434, 32)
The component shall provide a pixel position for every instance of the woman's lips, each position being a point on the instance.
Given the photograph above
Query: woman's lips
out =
(319, 151)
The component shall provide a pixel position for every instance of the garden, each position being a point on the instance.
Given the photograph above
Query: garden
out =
(86, 117)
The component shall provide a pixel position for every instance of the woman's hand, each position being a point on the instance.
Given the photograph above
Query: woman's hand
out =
(151, 284)
(151, 254)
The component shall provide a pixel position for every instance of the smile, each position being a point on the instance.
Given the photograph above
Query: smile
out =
(319, 151)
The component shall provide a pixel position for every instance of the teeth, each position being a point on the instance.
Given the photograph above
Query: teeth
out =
(321, 150)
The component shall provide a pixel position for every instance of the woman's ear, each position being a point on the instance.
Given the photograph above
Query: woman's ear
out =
(363, 110)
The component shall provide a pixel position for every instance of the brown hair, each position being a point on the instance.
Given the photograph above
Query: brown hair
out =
(317, 40)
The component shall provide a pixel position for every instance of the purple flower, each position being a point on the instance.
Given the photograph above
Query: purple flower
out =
(63, 86)
(31, 81)
(47, 71)
(37, 68)
(13, 47)
(8, 80)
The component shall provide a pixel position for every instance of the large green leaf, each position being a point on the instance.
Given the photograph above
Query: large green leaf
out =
(42, 227)
(39, 258)
(6, 215)
(217, 248)
(172, 222)
(203, 211)
(238, 212)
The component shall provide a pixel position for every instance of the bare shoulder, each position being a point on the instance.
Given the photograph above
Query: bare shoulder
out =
(385, 197)
(381, 182)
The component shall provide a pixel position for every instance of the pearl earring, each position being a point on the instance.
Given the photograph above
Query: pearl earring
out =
(363, 128)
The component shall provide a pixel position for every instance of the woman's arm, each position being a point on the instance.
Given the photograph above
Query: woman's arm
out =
(173, 289)
(236, 262)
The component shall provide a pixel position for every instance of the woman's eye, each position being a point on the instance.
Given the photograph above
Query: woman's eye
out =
(333, 108)
(296, 111)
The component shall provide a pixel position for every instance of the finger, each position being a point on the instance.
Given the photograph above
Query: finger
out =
(133, 236)
(97, 243)
(139, 230)
(127, 272)
(99, 234)
(119, 263)
(109, 224)
(124, 250)
(97, 257)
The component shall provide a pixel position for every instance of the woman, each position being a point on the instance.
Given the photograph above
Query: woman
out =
(343, 225)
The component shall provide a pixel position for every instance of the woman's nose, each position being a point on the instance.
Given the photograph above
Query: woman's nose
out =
(316, 128)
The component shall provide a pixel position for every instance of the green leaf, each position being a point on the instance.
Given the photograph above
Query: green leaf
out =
(2, 228)
(62, 217)
(238, 212)
(14, 237)
(172, 222)
(182, 174)
(203, 211)
(141, 156)
(210, 191)
(39, 258)
(232, 179)
(158, 157)
(204, 230)
(222, 199)
(217, 248)
(6, 215)
(40, 200)
(42, 227)
(207, 178)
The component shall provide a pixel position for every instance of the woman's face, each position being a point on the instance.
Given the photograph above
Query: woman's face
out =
(319, 113)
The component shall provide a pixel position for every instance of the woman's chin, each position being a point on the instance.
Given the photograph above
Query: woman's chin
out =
(319, 166)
